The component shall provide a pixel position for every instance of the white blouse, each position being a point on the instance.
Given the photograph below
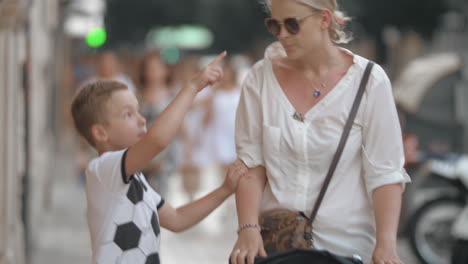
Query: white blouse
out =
(297, 155)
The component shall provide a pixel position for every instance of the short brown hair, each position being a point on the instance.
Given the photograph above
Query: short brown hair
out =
(89, 105)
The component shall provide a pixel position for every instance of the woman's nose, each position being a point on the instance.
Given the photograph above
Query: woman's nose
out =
(283, 33)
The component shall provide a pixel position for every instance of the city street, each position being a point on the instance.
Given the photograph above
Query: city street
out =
(49, 49)
(64, 237)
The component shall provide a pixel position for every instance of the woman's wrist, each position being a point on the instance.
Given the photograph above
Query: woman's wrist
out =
(248, 226)
(386, 239)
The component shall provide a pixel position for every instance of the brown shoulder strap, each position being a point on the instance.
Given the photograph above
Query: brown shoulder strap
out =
(344, 137)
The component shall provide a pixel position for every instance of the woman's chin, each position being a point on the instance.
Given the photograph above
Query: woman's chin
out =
(293, 54)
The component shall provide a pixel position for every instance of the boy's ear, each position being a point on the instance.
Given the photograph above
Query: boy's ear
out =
(99, 133)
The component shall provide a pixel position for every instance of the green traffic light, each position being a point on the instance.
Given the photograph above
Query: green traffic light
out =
(96, 37)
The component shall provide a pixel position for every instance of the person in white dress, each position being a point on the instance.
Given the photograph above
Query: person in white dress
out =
(196, 148)
(223, 117)
(293, 108)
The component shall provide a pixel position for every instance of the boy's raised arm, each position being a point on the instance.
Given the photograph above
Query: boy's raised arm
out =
(166, 125)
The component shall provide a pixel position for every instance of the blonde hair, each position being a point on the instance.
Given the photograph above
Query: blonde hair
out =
(338, 21)
(89, 106)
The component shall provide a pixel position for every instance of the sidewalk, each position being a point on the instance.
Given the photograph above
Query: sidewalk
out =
(64, 235)
(65, 239)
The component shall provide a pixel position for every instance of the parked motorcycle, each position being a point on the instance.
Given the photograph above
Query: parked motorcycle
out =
(460, 227)
(430, 227)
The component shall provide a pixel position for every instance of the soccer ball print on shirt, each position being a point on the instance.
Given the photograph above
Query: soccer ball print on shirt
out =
(134, 235)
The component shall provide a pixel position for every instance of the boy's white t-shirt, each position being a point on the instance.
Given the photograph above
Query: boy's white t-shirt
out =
(122, 212)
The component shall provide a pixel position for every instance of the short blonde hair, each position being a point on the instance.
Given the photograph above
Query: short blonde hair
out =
(336, 30)
(89, 106)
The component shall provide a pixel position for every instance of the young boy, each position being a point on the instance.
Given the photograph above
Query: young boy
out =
(124, 213)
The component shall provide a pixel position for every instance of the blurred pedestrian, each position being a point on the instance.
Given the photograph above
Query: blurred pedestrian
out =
(154, 95)
(108, 67)
(222, 110)
(197, 153)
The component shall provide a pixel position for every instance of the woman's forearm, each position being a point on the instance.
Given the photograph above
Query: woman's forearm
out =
(387, 206)
(249, 195)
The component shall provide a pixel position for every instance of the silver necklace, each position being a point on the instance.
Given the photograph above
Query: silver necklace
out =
(317, 92)
(298, 116)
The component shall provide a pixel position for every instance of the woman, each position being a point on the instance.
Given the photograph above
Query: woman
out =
(154, 95)
(291, 114)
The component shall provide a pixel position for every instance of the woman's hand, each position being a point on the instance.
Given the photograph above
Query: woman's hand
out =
(249, 245)
(386, 253)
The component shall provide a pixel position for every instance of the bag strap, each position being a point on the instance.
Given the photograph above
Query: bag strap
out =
(344, 137)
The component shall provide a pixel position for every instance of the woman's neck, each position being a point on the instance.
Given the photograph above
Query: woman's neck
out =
(319, 62)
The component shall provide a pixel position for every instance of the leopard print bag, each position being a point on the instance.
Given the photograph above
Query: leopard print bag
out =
(284, 229)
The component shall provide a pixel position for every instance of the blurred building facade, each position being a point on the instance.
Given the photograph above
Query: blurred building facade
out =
(30, 55)
(12, 95)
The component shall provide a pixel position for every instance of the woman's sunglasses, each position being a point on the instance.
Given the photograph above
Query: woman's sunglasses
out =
(291, 24)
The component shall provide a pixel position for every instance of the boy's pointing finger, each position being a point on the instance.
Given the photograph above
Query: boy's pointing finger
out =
(219, 58)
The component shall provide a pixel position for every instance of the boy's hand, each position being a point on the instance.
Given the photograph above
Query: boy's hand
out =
(235, 171)
(209, 75)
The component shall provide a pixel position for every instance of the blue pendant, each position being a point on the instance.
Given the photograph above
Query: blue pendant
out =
(317, 93)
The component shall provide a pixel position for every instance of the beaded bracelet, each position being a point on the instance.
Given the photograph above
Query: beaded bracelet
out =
(242, 227)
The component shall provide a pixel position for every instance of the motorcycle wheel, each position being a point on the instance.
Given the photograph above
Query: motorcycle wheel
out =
(460, 252)
(430, 230)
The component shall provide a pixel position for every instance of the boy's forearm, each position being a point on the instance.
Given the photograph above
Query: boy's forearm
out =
(249, 194)
(387, 205)
(192, 213)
